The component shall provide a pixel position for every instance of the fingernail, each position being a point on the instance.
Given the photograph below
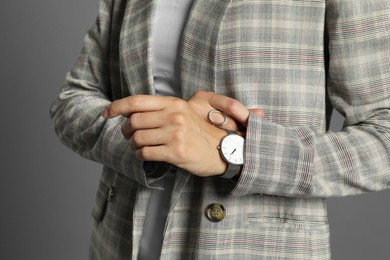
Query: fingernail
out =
(105, 113)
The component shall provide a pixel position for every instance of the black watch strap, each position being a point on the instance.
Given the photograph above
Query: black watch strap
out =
(231, 171)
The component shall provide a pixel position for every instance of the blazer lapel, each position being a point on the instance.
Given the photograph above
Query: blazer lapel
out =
(198, 46)
(135, 46)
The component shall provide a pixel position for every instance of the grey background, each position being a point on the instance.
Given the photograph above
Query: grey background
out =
(46, 191)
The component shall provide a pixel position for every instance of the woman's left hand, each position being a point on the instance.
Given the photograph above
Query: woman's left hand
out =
(236, 113)
(168, 129)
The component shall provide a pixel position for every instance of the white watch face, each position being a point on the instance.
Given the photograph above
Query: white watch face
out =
(232, 149)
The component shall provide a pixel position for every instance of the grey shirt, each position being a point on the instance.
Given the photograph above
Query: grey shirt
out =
(168, 27)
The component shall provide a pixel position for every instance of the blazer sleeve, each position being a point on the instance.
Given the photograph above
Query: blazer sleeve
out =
(297, 161)
(87, 90)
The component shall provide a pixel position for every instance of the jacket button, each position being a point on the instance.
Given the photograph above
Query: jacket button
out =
(215, 212)
(111, 194)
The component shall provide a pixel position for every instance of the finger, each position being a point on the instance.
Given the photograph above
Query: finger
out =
(230, 107)
(200, 102)
(137, 103)
(148, 137)
(222, 120)
(143, 120)
(257, 111)
(203, 102)
(153, 153)
(230, 124)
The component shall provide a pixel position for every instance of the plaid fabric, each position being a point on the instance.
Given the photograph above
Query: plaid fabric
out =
(296, 59)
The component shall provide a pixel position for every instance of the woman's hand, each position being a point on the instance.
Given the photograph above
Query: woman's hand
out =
(168, 129)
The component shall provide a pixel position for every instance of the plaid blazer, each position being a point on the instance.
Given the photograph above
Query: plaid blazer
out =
(296, 60)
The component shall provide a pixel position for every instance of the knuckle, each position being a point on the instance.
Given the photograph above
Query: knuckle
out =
(179, 145)
(143, 153)
(200, 94)
(113, 109)
(133, 120)
(180, 152)
(205, 94)
(197, 93)
(137, 100)
(178, 119)
(180, 104)
(232, 105)
(179, 137)
(137, 138)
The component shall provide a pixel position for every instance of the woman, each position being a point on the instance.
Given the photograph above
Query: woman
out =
(152, 103)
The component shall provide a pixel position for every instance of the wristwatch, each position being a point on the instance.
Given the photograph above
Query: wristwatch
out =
(231, 149)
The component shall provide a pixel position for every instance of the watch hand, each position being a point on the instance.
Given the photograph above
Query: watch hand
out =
(233, 151)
